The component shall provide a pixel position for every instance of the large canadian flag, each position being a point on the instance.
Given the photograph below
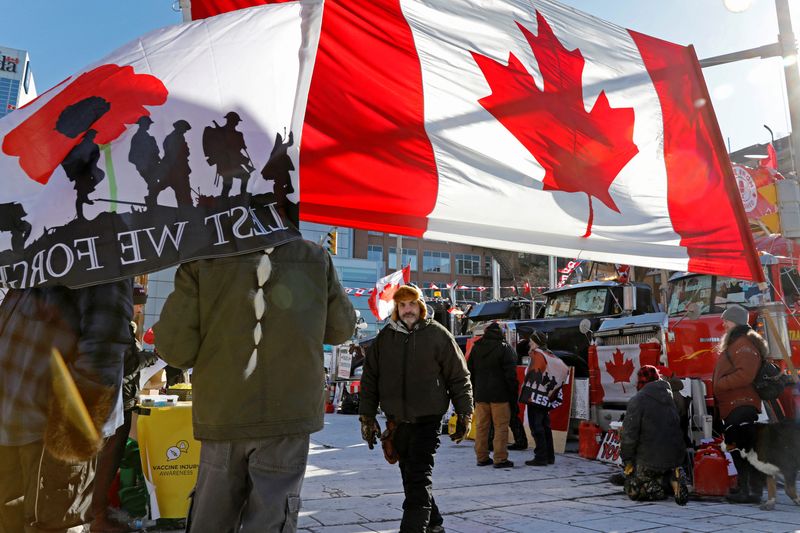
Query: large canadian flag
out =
(516, 124)
(381, 301)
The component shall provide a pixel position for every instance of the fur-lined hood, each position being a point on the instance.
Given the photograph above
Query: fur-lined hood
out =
(744, 331)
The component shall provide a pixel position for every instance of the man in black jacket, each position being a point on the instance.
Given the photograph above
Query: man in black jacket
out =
(493, 371)
(652, 447)
(110, 457)
(414, 369)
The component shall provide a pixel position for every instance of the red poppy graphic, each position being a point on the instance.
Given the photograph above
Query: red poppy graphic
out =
(104, 99)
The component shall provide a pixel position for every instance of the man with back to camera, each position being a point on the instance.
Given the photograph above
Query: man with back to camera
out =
(493, 371)
(413, 369)
(252, 326)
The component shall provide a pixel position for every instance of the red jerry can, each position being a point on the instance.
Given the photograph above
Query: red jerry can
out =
(711, 476)
(589, 438)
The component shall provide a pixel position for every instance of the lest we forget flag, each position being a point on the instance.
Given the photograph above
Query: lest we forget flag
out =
(181, 145)
(520, 125)
(516, 124)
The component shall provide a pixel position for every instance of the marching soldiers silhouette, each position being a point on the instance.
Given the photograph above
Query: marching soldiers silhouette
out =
(11, 219)
(224, 147)
(277, 168)
(146, 157)
(80, 165)
(174, 167)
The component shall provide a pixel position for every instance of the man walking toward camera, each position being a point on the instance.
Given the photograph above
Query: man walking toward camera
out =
(414, 369)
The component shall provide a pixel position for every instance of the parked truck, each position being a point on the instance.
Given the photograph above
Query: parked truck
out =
(682, 340)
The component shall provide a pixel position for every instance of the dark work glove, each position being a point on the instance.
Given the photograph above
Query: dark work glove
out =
(370, 430)
(462, 428)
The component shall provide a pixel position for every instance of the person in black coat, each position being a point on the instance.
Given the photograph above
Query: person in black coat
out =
(493, 371)
(653, 448)
(110, 456)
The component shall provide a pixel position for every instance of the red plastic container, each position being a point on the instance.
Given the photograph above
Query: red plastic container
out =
(589, 438)
(711, 476)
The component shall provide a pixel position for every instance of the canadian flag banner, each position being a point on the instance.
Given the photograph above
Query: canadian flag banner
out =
(380, 299)
(618, 367)
(181, 145)
(521, 125)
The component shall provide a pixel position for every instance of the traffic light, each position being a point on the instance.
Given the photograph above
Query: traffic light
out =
(330, 243)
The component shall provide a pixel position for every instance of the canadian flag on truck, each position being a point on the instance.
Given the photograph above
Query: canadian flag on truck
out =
(516, 124)
(380, 298)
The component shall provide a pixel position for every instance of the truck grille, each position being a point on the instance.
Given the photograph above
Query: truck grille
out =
(636, 338)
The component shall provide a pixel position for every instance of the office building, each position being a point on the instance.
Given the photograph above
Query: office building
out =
(17, 87)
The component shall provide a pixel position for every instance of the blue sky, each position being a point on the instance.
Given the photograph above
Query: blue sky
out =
(62, 36)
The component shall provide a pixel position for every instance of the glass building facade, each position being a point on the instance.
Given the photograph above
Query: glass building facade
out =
(17, 87)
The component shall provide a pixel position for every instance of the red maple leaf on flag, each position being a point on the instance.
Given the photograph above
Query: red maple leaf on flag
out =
(580, 151)
(620, 368)
(105, 99)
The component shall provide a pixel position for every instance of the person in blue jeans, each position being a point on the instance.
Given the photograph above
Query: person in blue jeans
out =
(546, 374)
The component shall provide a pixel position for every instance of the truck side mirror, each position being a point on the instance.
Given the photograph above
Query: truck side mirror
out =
(693, 311)
(629, 298)
(585, 326)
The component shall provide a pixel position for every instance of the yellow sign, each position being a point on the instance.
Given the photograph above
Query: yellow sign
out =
(170, 456)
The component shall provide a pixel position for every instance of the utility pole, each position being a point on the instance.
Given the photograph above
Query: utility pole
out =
(786, 47)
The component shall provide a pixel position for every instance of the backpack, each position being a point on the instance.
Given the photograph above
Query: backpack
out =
(770, 380)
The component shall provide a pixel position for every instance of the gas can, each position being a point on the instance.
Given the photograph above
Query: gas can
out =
(589, 438)
(711, 477)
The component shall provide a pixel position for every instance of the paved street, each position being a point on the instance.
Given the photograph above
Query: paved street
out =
(350, 489)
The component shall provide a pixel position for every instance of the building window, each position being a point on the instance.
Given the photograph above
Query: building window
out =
(487, 265)
(468, 264)
(375, 252)
(436, 261)
(409, 257)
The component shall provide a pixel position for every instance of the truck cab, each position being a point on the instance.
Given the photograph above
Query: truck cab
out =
(566, 307)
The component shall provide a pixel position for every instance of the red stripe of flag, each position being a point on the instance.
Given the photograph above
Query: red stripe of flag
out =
(698, 170)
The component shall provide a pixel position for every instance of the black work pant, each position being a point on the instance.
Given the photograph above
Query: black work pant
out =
(539, 422)
(517, 429)
(749, 479)
(416, 445)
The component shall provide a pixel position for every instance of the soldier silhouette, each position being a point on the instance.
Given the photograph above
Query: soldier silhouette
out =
(277, 168)
(174, 168)
(80, 165)
(146, 157)
(11, 219)
(224, 147)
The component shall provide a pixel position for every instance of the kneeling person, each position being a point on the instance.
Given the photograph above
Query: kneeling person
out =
(652, 448)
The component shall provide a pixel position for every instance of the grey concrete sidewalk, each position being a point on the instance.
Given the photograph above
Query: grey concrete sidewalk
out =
(351, 489)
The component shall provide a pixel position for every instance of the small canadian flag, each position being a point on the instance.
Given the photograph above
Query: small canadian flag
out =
(380, 299)
(433, 286)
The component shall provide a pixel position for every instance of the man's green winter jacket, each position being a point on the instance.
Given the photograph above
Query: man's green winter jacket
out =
(207, 323)
(415, 374)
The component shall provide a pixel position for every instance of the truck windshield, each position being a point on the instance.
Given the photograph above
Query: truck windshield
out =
(576, 303)
(712, 294)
